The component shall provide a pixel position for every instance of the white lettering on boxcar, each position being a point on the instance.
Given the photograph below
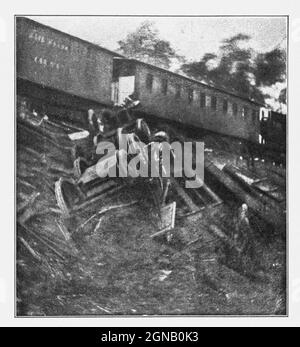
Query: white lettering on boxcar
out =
(34, 35)
(45, 62)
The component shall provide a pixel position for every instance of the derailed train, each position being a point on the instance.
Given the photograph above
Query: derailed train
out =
(63, 76)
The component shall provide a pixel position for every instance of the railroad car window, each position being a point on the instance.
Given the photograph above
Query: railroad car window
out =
(214, 102)
(202, 100)
(178, 91)
(225, 106)
(190, 95)
(149, 82)
(164, 86)
(235, 109)
(245, 111)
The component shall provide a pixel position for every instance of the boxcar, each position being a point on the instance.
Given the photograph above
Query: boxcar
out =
(53, 59)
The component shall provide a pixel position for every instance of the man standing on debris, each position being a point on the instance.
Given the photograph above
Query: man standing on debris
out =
(93, 128)
(241, 228)
(92, 123)
(244, 239)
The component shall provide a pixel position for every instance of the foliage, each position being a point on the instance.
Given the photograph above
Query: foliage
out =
(270, 67)
(145, 44)
(282, 96)
(240, 69)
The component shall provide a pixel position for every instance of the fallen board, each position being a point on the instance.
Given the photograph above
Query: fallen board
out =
(167, 221)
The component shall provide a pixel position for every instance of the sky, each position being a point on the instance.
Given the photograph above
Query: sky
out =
(192, 37)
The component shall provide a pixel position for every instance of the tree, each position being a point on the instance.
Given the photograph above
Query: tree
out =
(199, 70)
(145, 44)
(239, 69)
(270, 67)
(282, 96)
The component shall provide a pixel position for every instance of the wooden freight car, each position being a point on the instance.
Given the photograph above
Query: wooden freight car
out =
(59, 72)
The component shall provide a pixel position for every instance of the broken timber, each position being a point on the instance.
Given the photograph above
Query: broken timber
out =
(105, 210)
(269, 193)
(268, 211)
(187, 199)
(195, 199)
(167, 222)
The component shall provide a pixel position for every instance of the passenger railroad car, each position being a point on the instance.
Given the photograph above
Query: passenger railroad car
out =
(181, 99)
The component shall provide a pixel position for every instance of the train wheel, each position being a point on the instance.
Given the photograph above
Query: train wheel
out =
(67, 195)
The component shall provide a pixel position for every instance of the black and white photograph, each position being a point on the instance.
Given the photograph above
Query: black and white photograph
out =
(151, 165)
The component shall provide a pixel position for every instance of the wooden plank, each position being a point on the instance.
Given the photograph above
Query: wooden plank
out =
(205, 201)
(167, 222)
(214, 196)
(35, 254)
(100, 189)
(186, 198)
(95, 199)
(105, 210)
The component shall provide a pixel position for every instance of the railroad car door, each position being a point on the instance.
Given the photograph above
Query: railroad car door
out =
(122, 88)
